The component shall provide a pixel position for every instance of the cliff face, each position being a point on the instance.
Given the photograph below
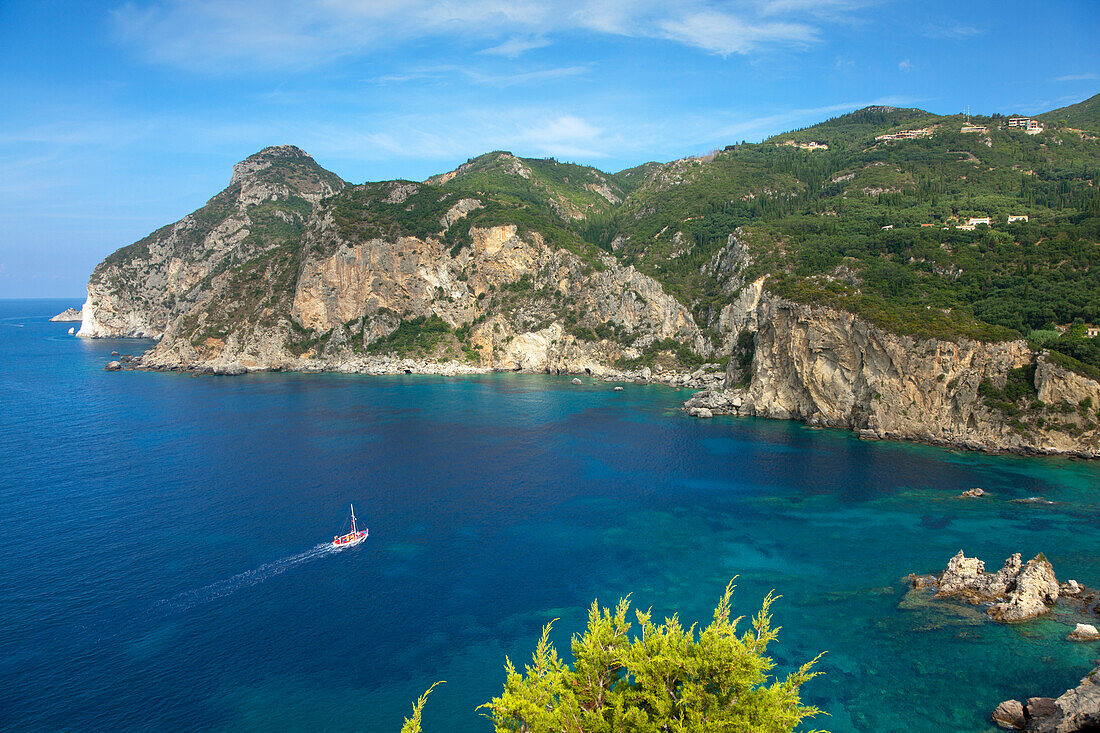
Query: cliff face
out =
(830, 368)
(141, 289)
(289, 268)
(507, 300)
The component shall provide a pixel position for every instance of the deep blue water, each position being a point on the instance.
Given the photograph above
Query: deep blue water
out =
(160, 559)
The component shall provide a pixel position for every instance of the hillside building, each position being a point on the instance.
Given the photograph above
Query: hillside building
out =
(906, 134)
(1017, 217)
(976, 220)
(974, 128)
(1027, 124)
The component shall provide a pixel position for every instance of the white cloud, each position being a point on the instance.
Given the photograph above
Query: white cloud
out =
(513, 47)
(233, 36)
(905, 65)
(725, 34)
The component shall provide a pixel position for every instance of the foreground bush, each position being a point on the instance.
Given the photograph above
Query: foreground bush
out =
(667, 678)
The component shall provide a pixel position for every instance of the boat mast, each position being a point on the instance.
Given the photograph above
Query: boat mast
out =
(353, 527)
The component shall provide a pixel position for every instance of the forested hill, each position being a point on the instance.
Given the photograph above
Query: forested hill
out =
(1083, 115)
(879, 227)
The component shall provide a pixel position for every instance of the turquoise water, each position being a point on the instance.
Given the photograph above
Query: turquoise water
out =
(163, 564)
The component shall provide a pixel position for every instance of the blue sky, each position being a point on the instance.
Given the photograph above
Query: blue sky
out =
(122, 117)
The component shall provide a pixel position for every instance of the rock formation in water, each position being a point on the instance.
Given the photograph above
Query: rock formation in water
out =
(69, 315)
(1016, 592)
(1077, 709)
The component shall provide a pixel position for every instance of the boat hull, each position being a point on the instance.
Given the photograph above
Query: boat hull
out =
(349, 540)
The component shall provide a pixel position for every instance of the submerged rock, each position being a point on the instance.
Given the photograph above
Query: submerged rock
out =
(576, 380)
(618, 389)
(113, 366)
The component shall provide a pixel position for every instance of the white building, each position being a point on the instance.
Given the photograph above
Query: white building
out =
(1017, 217)
(1027, 124)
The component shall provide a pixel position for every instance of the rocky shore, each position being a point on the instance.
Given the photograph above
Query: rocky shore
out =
(707, 376)
(1077, 709)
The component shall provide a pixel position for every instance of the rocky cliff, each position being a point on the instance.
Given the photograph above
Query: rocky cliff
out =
(833, 369)
(141, 289)
(485, 268)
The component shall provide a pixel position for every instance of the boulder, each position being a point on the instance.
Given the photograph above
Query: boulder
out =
(576, 380)
(1084, 632)
(700, 412)
(1036, 590)
(113, 366)
(1009, 714)
(1076, 710)
(921, 581)
(1071, 588)
(618, 389)
(972, 493)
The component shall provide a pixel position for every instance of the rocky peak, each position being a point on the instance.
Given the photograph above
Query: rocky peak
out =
(282, 171)
(266, 158)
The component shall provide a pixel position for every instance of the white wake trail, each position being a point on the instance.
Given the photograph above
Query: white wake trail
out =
(249, 578)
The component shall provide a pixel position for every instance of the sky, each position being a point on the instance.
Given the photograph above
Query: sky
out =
(121, 117)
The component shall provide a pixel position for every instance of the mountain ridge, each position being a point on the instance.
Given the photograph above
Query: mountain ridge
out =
(533, 264)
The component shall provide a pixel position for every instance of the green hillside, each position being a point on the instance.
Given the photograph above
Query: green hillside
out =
(843, 226)
(570, 191)
(1083, 115)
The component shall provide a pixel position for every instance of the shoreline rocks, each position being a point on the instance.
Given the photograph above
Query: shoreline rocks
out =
(1077, 709)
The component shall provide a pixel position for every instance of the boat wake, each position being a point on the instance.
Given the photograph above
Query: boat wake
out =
(249, 578)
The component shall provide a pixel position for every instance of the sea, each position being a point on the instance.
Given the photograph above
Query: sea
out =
(164, 557)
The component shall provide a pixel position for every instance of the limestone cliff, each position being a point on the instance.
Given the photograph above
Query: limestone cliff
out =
(507, 300)
(830, 368)
(141, 289)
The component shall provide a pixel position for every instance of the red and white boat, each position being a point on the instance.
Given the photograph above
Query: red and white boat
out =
(352, 538)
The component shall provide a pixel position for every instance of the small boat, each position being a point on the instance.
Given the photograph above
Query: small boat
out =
(352, 538)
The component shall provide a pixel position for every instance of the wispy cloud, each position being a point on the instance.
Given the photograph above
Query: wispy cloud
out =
(1078, 77)
(233, 36)
(952, 31)
(513, 47)
(905, 65)
(483, 78)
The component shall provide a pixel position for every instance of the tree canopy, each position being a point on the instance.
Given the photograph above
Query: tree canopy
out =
(664, 677)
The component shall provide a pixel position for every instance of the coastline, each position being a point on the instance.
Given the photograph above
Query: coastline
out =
(701, 405)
